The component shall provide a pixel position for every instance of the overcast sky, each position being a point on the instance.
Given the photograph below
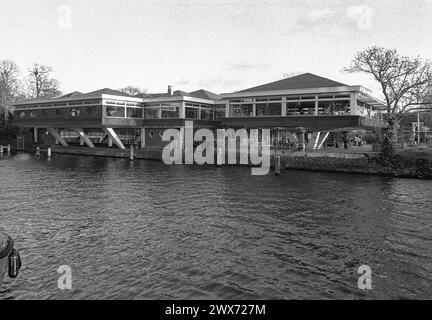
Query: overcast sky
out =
(222, 46)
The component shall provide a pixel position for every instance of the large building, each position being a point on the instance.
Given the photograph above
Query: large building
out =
(304, 104)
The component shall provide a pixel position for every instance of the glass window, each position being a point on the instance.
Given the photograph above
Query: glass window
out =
(192, 113)
(268, 109)
(134, 113)
(75, 112)
(219, 113)
(341, 107)
(241, 110)
(152, 113)
(92, 111)
(207, 114)
(112, 111)
(170, 112)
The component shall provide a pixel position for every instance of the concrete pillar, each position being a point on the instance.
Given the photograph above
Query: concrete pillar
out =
(301, 138)
(227, 110)
(110, 142)
(254, 110)
(81, 141)
(35, 134)
(316, 105)
(49, 152)
(182, 111)
(132, 153)
(58, 136)
(111, 133)
(143, 133)
(284, 107)
(353, 103)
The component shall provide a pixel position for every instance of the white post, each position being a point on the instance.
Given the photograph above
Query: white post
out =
(49, 152)
(1, 149)
(284, 107)
(110, 142)
(37, 151)
(8, 149)
(132, 153)
(143, 132)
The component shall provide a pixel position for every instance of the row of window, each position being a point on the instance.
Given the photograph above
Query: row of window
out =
(292, 98)
(60, 104)
(89, 111)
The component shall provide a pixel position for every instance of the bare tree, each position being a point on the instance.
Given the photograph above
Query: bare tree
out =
(41, 82)
(9, 84)
(406, 82)
(131, 90)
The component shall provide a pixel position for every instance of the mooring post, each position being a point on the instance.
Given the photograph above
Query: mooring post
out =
(49, 152)
(219, 159)
(132, 152)
(37, 151)
(8, 149)
(277, 165)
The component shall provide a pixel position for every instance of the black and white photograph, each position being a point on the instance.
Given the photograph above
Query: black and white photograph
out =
(215, 156)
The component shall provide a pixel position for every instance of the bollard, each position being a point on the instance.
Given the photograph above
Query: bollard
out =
(8, 149)
(49, 152)
(277, 165)
(219, 160)
(37, 151)
(132, 152)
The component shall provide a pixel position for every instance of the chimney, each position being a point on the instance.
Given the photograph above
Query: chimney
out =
(170, 90)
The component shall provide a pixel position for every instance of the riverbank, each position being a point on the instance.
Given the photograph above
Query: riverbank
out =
(406, 165)
(370, 164)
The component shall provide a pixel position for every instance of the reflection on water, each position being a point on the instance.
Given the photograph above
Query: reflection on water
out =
(144, 230)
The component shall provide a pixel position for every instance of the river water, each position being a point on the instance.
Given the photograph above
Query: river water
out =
(144, 230)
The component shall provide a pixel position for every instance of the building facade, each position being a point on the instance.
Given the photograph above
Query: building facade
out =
(292, 108)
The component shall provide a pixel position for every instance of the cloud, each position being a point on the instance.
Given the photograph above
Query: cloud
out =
(243, 66)
(335, 22)
(219, 83)
(182, 82)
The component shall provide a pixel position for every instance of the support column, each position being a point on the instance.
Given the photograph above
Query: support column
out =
(254, 109)
(110, 142)
(111, 133)
(284, 107)
(316, 105)
(84, 137)
(57, 136)
(316, 140)
(227, 110)
(143, 132)
(35, 135)
(182, 111)
(301, 138)
(353, 103)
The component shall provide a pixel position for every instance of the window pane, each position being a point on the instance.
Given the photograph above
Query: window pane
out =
(112, 111)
